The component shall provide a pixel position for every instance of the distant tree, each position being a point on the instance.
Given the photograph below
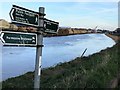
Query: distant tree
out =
(118, 30)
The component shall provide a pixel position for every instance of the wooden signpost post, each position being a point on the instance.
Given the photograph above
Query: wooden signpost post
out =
(23, 16)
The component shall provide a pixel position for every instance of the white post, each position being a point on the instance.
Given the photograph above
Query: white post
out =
(39, 50)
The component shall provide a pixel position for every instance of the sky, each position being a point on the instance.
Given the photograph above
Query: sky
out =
(72, 14)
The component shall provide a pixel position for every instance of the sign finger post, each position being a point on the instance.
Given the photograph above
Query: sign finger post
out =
(23, 16)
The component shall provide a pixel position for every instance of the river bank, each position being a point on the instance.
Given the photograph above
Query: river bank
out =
(94, 71)
(114, 37)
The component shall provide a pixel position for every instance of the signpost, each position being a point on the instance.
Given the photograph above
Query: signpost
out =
(18, 38)
(51, 26)
(24, 16)
(20, 15)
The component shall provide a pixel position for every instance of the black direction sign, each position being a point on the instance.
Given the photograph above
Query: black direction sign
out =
(51, 26)
(24, 16)
(18, 38)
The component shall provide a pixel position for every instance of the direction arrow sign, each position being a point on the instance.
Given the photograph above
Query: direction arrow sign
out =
(18, 38)
(51, 26)
(24, 16)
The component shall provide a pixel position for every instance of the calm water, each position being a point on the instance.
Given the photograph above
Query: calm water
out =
(19, 60)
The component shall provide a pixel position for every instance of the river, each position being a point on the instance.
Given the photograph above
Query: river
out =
(19, 60)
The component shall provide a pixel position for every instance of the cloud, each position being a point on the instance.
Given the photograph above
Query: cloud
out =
(107, 10)
(103, 15)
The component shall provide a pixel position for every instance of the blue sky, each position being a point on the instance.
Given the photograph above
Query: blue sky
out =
(73, 14)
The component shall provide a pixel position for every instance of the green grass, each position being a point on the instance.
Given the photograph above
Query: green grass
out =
(94, 71)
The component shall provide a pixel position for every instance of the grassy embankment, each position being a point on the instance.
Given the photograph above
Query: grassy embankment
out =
(95, 71)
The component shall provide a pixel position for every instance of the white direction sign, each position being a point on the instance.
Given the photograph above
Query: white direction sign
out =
(24, 16)
(18, 38)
